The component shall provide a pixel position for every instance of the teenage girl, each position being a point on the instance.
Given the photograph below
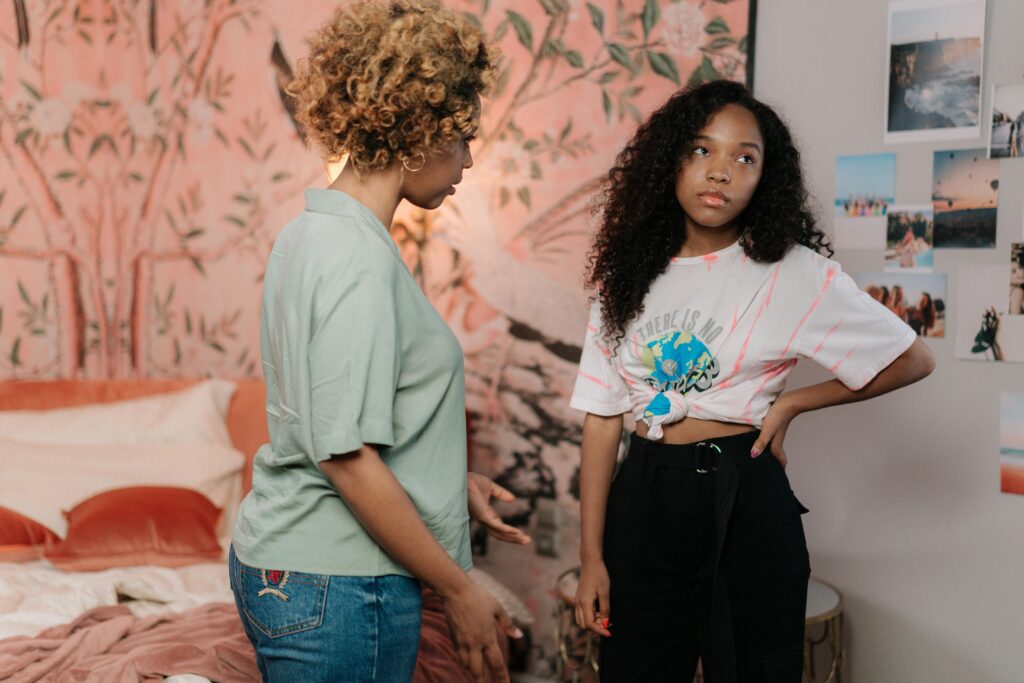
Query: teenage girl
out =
(711, 285)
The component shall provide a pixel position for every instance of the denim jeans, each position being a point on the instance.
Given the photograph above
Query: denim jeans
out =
(317, 627)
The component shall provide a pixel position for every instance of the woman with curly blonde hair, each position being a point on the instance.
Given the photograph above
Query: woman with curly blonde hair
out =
(362, 491)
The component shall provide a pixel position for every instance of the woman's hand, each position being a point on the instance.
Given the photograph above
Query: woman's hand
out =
(773, 430)
(595, 586)
(472, 615)
(480, 491)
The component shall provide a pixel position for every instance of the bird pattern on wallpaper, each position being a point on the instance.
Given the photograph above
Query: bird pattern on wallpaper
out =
(283, 75)
(21, 22)
(151, 155)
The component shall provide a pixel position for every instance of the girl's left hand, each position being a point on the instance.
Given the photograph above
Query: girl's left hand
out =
(773, 431)
(481, 490)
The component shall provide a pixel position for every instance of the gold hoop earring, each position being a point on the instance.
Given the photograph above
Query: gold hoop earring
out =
(423, 162)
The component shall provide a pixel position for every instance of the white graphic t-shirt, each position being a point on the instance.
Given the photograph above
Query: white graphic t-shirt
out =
(719, 334)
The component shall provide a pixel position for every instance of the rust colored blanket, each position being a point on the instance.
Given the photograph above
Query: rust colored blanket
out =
(110, 644)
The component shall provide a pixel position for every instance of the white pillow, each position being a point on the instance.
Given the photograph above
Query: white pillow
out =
(41, 481)
(194, 415)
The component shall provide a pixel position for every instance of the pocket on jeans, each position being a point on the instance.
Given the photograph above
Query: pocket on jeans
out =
(278, 603)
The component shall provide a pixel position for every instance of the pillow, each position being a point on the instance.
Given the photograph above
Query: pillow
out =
(21, 539)
(40, 480)
(194, 415)
(161, 525)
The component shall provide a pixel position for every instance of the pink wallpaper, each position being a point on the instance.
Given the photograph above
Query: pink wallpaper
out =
(147, 162)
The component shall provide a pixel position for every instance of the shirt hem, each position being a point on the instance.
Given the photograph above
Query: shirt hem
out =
(598, 408)
(869, 373)
(337, 444)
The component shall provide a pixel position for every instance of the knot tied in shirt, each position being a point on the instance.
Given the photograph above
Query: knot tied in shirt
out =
(676, 362)
(656, 408)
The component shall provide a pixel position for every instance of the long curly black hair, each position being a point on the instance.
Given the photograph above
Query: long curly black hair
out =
(642, 223)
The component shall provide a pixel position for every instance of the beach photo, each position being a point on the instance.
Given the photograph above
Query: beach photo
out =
(934, 70)
(909, 237)
(983, 329)
(865, 184)
(865, 187)
(1007, 137)
(965, 195)
(919, 299)
(1011, 443)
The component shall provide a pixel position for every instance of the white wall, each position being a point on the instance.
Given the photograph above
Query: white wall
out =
(907, 518)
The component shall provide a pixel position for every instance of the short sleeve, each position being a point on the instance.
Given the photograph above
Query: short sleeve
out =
(849, 333)
(353, 367)
(599, 388)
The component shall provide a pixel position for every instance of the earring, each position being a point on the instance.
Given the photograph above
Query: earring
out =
(423, 162)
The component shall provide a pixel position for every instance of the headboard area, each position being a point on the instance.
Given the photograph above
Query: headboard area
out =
(247, 422)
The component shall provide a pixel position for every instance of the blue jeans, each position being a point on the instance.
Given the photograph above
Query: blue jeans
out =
(317, 627)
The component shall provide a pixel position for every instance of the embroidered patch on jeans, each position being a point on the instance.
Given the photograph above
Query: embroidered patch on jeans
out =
(274, 581)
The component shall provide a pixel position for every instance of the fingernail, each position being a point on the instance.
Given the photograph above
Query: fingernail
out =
(754, 453)
(604, 623)
(517, 633)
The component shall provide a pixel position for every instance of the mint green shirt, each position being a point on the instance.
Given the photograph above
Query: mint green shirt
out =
(353, 353)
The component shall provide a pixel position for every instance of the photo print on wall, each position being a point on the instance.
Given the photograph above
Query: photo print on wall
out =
(984, 329)
(1007, 137)
(965, 195)
(919, 299)
(1016, 303)
(865, 187)
(934, 73)
(1011, 444)
(909, 238)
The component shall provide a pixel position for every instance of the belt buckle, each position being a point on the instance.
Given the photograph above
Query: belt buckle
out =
(703, 448)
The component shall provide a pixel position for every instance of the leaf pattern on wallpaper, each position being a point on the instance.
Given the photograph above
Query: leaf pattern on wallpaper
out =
(149, 157)
(145, 164)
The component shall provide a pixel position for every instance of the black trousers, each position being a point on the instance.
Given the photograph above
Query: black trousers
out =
(704, 565)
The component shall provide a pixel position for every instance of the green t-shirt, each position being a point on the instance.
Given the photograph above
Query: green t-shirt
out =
(353, 353)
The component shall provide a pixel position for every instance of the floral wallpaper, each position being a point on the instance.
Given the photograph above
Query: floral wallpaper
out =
(148, 159)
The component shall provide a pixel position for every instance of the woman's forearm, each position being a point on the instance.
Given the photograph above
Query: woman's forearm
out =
(912, 365)
(382, 506)
(597, 464)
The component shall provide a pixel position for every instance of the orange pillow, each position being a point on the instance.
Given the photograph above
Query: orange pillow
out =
(161, 525)
(22, 539)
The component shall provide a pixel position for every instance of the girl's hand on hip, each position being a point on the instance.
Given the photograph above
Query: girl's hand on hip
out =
(594, 587)
(773, 431)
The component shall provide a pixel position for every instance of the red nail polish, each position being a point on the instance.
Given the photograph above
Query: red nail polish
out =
(754, 453)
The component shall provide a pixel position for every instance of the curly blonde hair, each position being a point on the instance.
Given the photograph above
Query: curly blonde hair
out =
(388, 81)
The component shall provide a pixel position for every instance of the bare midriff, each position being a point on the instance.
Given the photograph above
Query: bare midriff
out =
(691, 429)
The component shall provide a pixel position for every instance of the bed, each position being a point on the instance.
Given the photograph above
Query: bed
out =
(167, 613)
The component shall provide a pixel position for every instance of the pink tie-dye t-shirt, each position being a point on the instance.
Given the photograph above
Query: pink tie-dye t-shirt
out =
(720, 333)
